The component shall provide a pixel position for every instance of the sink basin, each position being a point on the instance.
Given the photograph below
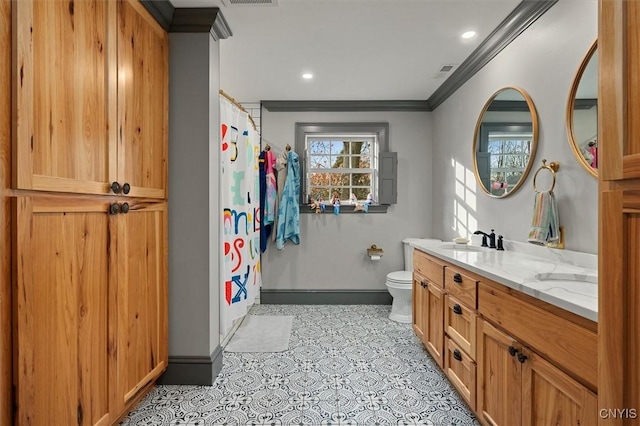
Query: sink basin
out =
(559, 276)
(461, 247)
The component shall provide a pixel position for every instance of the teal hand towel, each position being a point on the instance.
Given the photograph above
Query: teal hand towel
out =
(545, 223)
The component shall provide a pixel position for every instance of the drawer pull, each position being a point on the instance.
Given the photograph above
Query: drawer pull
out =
(457, 355)
(457, 278)
(457, 309)
(512, 351)
(114, 208)
(522, 358)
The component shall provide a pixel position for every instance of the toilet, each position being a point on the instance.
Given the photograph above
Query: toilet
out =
(400, 283)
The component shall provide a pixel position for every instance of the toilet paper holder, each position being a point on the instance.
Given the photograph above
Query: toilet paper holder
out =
(374, 251)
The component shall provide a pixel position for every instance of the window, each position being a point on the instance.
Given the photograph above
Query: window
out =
(342, 165)
(346, 158)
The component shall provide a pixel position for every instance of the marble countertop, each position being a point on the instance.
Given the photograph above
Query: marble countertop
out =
(565, 285)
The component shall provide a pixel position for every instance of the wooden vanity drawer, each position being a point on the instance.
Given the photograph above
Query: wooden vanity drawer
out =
(461, 286)
(460, 325)
(566, 343)
(461, 371)
(428, 267)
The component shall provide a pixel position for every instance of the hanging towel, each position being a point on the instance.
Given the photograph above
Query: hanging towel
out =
(289, 208)
(281, 172)
(272, 195)
(544, 225)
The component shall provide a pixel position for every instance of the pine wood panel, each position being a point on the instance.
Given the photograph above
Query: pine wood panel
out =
(499, 375)
(61, 314)
(419, 300)
(141, 295)
(429, 267)
(461, 327)
(61, 80)
(566, 343)
(5, 213)
(550, 397)
(461, 372)
(465, 290)
(434, 328)
(143, 101)
(632, 367)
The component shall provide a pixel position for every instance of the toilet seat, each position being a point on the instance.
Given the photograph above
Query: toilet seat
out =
(400, 279)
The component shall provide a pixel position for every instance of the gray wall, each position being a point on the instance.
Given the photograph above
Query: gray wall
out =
(193, 195)
(332, 252)
(543, 61)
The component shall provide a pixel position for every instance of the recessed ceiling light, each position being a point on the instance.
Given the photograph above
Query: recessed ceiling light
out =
(307, 76)
(468, 34)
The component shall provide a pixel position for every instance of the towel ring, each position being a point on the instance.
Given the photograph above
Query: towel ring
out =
(552, 167)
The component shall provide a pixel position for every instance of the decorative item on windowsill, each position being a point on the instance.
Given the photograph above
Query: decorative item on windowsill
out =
(336, 204)
(374, 252)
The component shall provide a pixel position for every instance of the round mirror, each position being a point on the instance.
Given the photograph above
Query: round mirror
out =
(505, 141)
(582, 112)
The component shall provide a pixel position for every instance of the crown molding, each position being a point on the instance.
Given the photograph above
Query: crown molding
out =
(328, 106)
(525, 14)
(189, 20)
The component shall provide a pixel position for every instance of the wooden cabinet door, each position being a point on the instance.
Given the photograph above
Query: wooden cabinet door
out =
(499, 394)
(550, 397)
(140, 307)
(61, 328)
(142, 101)
(434, 327)
(64, 100)
(419, 309)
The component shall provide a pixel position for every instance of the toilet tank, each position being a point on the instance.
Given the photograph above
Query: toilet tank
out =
(408, 249)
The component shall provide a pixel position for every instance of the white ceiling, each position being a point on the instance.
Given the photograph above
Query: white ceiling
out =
(356, 49)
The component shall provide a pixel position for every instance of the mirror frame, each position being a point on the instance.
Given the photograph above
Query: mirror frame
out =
(571, 104)
(534, 140)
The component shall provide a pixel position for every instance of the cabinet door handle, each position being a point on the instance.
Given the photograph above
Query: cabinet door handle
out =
(457, 309)
(457, 278)
(116, 188)
(124, 208)
(126, 188)
(522, 358)
(423, 284)
(457, 355)
(512, 351)
(114, 208)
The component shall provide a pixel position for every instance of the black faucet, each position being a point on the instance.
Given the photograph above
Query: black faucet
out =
(500, 246)
(492, 238)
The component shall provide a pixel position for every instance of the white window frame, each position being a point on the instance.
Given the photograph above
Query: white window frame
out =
(343, 137)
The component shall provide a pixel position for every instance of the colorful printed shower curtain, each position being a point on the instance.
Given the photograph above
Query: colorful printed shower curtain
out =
(240, 197)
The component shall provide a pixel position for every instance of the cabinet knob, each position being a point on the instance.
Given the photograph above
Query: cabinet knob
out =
(457, 278)
(116, 188)
(457, 355)
(522, 358)
(512, 351)
(126, 188)
(114, 208)
(457, 309)
(124, 208)
(423, 284)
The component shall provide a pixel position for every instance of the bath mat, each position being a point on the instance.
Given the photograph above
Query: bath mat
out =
(261, 333)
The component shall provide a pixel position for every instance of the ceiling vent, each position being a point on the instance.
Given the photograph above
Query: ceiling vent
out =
(234, 3)
(444, 71)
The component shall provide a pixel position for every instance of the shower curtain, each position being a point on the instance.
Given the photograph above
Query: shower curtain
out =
(240, 197)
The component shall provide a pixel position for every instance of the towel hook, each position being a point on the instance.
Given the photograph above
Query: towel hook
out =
(552, 167)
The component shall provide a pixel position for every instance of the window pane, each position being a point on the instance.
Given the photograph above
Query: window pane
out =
(341, 162)
(319, 161)
(319, 179)
(361, 162)
(361, 193)
(319, 147)
(343, 193)
(339, 147)
(361, 179)
(339, 179)
(362, 148)
(319, 192)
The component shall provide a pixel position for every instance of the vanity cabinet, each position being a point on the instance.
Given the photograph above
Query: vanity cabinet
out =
(514, 359)
(428, 306)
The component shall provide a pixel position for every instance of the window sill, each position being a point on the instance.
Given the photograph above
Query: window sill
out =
(344, 209)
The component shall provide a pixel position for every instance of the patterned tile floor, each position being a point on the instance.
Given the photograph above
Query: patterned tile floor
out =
(346, 365)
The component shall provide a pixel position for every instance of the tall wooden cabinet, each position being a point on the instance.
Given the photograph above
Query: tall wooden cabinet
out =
(619, 212)
(89, 246)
